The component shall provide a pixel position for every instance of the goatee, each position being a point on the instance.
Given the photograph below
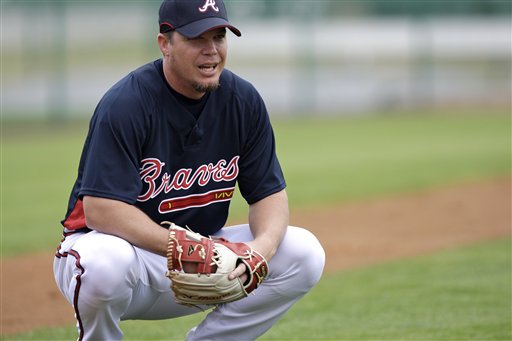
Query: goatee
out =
(206, 87)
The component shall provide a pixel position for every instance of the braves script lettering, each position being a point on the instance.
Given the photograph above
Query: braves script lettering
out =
(184, 178)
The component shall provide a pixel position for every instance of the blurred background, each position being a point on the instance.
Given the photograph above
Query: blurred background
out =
(305, 57)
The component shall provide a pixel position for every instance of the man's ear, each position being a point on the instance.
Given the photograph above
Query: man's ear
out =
(163, 44)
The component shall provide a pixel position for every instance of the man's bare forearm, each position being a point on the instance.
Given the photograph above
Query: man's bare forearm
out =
(125, 221)
(268, 220)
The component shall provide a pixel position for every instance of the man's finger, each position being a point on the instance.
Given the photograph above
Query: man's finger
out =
(239, 271)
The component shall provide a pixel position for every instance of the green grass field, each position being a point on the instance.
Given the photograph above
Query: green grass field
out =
(462, 294)
(325, 161)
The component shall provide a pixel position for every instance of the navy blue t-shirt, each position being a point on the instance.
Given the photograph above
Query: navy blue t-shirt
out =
(145, 148)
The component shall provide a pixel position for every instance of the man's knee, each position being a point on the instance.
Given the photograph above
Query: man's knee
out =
(301, 259)
(108, 267)
(312, 258)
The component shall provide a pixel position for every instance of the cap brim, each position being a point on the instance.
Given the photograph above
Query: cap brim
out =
(196, 28)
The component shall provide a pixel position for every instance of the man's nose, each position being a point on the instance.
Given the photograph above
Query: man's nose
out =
(210, 47)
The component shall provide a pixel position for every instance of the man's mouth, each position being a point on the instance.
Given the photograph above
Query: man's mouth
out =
(208, 67)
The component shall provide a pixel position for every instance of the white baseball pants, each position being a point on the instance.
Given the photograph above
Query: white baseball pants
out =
(107, 280)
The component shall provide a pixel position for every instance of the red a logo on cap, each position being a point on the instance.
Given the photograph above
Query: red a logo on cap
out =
(209, 3)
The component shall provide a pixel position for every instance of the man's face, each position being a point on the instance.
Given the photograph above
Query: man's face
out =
(193, 65)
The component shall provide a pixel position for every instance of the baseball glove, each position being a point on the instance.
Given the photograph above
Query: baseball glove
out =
(199, 267)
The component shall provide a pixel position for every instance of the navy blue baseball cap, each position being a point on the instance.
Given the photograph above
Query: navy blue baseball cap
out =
(192, 18)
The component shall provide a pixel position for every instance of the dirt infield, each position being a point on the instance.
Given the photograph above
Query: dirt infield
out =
(353, 235)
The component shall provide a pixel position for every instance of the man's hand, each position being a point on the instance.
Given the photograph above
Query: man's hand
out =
(206, 271)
